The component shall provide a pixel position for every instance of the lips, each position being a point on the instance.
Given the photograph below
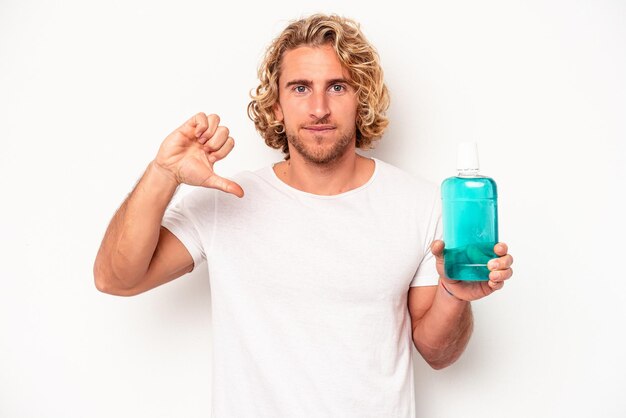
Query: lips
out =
(319, 128)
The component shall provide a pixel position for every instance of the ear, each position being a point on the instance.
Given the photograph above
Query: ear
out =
(278, 112)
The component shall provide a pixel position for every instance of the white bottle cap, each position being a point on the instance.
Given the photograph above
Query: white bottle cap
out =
(467, 158)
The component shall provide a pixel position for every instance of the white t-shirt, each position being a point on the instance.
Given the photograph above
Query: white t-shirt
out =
(309, 292)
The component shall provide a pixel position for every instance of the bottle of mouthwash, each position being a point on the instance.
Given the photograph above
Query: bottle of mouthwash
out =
(470, 218)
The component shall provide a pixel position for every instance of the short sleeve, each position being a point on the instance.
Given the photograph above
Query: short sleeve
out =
(182, 220)
(426, 274)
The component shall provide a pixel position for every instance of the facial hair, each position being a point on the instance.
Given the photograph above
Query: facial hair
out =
(318, 155)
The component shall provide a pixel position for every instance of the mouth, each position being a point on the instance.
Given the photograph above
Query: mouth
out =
(319, 128)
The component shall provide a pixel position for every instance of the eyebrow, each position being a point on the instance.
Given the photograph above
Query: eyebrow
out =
(309, 83)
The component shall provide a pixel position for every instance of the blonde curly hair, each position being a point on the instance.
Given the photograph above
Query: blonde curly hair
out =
(355, 53)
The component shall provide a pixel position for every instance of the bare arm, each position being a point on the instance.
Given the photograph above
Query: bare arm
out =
(137, 253)
(441, 316)
(441, 323)
(131, 239)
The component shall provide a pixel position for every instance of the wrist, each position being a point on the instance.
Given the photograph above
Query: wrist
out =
(447, 292)
(162, 175)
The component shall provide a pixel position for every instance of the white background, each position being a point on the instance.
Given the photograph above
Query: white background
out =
(89, 90)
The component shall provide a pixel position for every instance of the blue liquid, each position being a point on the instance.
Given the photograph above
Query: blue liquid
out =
(470, 226)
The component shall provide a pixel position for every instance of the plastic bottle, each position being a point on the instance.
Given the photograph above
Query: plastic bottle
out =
(470, 218)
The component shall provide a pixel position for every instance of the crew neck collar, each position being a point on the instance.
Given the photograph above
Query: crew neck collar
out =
(280, 183)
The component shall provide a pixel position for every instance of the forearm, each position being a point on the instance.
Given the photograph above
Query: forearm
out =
(132, 236)
(442, 334)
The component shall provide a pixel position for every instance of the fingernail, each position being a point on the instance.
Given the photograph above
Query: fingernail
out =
(493, 265)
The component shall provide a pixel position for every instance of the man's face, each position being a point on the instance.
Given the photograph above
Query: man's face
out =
(316, 104)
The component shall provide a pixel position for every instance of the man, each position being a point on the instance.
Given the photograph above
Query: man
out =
(329, 268)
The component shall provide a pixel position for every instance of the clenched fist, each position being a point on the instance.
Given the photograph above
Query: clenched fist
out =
(188, 153)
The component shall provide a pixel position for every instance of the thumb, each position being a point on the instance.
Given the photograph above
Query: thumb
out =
(437, 248)
(225, 185)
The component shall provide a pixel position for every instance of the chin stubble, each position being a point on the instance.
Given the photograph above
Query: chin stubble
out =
(321, 156)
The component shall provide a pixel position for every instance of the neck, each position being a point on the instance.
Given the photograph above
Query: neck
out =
(344, 174)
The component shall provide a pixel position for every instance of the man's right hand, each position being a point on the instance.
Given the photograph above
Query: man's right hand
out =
(187, 155)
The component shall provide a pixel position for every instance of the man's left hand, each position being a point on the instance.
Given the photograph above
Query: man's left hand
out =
(500, 270)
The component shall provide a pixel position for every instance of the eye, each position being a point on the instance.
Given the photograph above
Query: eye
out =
(338, 87)
(300, 89)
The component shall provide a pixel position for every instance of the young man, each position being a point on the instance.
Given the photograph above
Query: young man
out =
(329, 268)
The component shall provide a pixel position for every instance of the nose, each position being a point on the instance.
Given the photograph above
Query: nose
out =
(318, 105)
